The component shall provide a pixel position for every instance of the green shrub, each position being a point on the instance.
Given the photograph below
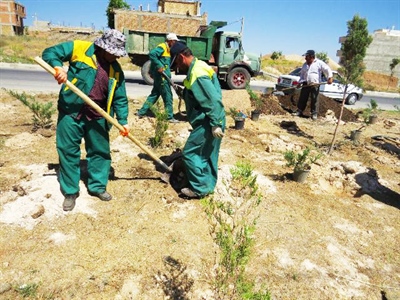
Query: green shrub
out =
(42, 112)
(161, 126)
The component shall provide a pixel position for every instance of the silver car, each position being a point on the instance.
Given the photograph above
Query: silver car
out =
(287, 84)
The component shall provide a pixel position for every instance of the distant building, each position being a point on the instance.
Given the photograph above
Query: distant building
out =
(12, 15)
(178, 16)
(384, 47)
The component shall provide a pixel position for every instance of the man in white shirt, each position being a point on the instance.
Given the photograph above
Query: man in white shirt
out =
(310, 79)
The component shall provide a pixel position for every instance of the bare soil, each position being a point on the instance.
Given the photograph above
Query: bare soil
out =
(336, 236)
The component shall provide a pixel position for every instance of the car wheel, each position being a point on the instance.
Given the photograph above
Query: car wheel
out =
(237, 78)
(145, 71)
(351, 99)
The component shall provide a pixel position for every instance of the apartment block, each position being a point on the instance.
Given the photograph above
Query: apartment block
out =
(12, 15)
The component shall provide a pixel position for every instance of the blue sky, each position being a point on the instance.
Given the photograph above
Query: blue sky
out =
(290, 26)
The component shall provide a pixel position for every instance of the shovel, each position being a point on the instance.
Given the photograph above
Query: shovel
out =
(171, 83)
(105, 115)
(293, 88)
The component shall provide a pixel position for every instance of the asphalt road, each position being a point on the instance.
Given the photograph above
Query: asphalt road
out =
(32, 78)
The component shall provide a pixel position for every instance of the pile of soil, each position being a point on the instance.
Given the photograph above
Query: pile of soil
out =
(281, 105)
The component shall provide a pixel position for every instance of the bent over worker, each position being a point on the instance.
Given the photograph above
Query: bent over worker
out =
(93, 69)
(206, 115)
(160, 66)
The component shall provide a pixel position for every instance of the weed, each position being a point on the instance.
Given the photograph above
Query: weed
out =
(42, 113)
(28, 290)
(232, 224)
(161, 126)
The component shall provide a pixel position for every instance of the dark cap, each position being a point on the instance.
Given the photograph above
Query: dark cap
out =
(176, 49)
(310, 53)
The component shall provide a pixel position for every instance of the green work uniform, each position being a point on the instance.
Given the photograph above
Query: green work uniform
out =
(160, 57)
(71, 128)
(203, 100)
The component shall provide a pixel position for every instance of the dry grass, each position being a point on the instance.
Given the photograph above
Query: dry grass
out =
(334, 237)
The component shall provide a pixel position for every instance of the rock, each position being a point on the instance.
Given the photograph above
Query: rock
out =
(5, 287)
(38, 211)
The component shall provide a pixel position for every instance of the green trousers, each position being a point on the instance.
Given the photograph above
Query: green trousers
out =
(69, 136)
(161, 88)
(200, 156)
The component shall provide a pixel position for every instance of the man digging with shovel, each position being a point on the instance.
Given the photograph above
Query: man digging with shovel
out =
(310, 79)
(93, 69)
(206, 114)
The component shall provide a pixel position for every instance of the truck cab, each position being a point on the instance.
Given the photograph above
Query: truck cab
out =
(235, 66)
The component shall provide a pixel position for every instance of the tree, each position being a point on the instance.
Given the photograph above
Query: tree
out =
(394, 63)
(114, 4)
(353, 49)
(322, 56)
(276, 55)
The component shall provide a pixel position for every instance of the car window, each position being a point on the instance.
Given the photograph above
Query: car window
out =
(295, 72)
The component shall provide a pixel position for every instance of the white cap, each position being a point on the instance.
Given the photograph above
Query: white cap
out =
(172, 37)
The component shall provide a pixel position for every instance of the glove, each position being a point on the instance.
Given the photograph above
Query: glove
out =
(61, 75)
(217, 132)
(179, 90)
(125, 132)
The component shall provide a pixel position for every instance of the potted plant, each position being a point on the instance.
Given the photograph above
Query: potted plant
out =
(238, 116)
(371, 113)
(301, 162)
(256, 101)
(369, 116)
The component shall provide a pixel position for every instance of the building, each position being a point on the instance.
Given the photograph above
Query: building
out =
(12, 15)
(384, 48)
(181, 17)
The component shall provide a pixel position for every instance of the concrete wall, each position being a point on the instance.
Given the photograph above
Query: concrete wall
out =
(380, 53)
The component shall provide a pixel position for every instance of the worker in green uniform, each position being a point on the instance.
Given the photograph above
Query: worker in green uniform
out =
(206, 115)
(93, 69)
(159, 68)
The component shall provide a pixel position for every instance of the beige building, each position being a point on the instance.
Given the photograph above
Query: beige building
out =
(384, 48)
(12, 15)
(181, 17)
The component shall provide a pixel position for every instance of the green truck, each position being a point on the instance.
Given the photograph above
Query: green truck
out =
(220, 49)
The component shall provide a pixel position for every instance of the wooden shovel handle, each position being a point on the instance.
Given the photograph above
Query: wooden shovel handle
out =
(110, 119)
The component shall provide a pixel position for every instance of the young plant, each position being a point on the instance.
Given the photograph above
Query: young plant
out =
(236, 114)
(368, 113)
(256, 99)
(302, 160)
(161, 126)
(42, 112)
(232, 224)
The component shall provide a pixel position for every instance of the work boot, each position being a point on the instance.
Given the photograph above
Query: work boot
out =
(298, 113)
(314, 117)
(69, 202)
(104, 196)
(189, 193)
(173, 121)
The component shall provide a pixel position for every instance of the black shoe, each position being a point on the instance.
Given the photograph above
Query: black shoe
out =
(139, 115)
(188, 193)
(174, 121)
(104, 196)
(297, 114)
(69, 202)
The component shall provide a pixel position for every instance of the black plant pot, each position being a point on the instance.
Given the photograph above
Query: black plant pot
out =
(255, 115)
(239, 123)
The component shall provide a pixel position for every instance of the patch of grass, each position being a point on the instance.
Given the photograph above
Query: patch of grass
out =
(28, 290)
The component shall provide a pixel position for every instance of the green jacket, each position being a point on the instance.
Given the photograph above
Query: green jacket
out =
(160, 57)
(82, 73)
(203, 97)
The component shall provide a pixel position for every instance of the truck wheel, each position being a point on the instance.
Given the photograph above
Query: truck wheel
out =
(146, 73)
(351, 99)
(237, 78)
